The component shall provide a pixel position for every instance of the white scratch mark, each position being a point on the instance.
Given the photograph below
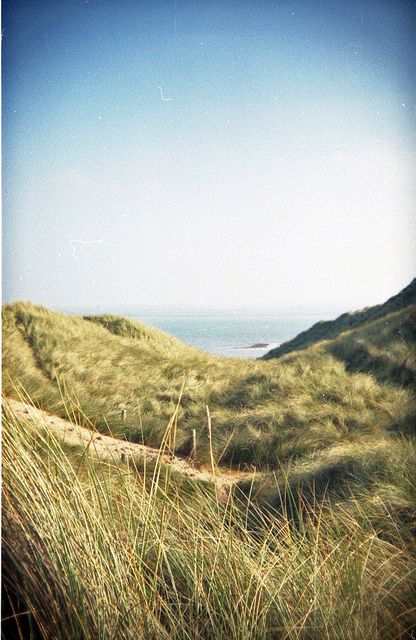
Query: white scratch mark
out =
(74, 252)
(162, 96)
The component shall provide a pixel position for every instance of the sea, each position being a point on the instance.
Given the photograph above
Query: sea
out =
(232, 334)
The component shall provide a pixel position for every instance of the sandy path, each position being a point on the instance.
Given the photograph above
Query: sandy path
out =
(112, 449)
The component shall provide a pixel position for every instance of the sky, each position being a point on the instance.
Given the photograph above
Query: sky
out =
(213, 153)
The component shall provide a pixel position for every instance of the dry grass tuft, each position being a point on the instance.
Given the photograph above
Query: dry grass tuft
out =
(96, 552)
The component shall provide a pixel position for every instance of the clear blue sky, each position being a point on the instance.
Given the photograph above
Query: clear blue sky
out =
(219, 153)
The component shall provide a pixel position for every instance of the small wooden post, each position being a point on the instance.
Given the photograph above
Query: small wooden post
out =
(193, 452)
(124, 414)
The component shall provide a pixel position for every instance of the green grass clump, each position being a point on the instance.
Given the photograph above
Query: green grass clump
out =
(94, 551)
(385, 348)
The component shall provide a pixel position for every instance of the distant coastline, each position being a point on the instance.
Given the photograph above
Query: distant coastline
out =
(223, 332)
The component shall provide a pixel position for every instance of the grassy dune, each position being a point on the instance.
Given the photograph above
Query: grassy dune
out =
(93, 551)
(263, 412)
(330, 329)
(318, 543)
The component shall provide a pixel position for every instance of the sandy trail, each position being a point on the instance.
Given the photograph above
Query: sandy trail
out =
(112, 449)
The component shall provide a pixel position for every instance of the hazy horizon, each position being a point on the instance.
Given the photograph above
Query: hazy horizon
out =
(227, 155)
(176, 310)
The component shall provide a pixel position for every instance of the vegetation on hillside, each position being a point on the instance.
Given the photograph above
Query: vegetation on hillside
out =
(320, 542)
(329, 329)
(262, 413)
(93, 551)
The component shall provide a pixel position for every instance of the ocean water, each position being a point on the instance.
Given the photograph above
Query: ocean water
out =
(230, 334)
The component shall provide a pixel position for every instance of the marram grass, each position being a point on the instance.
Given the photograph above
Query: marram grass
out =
(319, 544)
(95, 552)
(262, 412)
